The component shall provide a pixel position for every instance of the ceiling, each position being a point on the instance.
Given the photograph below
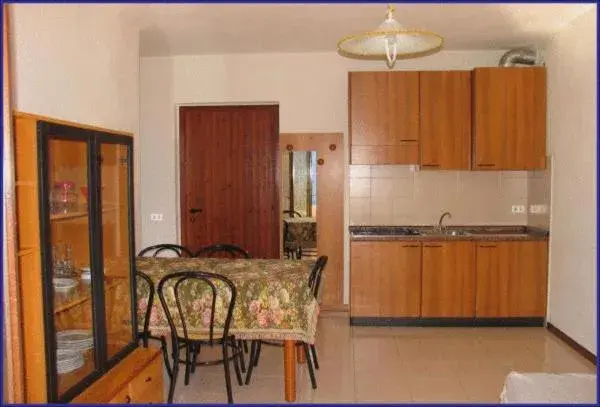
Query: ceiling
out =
(194, 29)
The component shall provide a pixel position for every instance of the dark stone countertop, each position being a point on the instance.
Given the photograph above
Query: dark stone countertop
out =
(428, 233)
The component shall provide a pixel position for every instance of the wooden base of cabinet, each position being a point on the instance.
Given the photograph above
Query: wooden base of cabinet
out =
(447, 322)
(137, 379)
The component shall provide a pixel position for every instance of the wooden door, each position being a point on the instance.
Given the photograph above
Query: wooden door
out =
(489, 110)
(445, 120)
(512, 279)
(384, 117)
(448, 288)
(229, 163)
(492, 279)
(525, 119)
(385, 279)
(528, 279)
(368, 105)
(510, 118)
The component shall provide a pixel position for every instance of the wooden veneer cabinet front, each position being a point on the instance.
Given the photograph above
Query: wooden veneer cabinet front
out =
(458, 279)
(385, 279)
(71, 311)
(137, 379)
(384, 117)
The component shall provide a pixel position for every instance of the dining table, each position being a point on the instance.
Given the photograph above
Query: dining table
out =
(273, 302)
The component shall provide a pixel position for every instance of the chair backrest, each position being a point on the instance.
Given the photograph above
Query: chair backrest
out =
(229, 249)
(205, 287)
(154, 251)
(314, 280)
(292, 213)
(143, 283)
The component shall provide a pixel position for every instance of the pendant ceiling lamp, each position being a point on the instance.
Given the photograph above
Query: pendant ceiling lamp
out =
(390, 41)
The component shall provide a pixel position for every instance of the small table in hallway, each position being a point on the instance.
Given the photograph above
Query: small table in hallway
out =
(274, 301)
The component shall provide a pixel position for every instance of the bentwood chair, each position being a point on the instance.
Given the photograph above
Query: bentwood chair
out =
(208, 286)
(230, 250)
(314, 282)
(154, 251)
(145, 307)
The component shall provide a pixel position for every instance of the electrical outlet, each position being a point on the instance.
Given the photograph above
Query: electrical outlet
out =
(518, 209)
(538, 208)
(156, 217)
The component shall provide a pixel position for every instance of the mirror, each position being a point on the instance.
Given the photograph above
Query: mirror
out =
(299, 204)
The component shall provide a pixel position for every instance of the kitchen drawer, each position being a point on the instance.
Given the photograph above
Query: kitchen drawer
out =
(147, 387)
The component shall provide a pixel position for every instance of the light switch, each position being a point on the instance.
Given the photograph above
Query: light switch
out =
(156, 217)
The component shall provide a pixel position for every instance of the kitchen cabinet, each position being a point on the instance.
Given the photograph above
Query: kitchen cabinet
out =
(74, 195)
(445, 120)
(511, 279)
(448, 288)
(384, 117)
(509, 118)
(385, 279)
(138, 379)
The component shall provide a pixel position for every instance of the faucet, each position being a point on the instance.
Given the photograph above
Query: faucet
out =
(439, 226)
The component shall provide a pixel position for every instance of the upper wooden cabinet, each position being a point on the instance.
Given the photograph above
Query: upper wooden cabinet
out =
(385, 279)
(511, 279)
(384, 117)
(448, 288)
(445, 120)
(509, 118)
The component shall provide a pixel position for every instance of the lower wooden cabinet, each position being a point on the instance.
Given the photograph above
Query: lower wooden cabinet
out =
(448, 288)
(136, 379)
(511, 279)
(448, 279)
(385, 279)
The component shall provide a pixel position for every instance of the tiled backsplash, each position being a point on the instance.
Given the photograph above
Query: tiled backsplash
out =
(395, 195)
(539, 194)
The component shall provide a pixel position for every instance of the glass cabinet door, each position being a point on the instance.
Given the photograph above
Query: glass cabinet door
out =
(69, 258)
(116, 250)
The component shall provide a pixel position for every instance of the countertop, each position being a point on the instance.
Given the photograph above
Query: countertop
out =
(428, 233)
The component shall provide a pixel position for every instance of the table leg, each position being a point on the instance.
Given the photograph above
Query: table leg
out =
(289, 369)
(300, 355)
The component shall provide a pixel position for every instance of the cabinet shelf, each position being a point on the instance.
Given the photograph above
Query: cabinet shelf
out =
(78, 214)
(78, 295)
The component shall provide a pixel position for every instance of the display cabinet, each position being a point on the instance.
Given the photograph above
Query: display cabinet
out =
(74, 190)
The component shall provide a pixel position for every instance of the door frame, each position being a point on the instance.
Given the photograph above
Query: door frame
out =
(178, 106)
(330, 229)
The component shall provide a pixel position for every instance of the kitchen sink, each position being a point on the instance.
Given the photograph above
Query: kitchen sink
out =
(447, 232)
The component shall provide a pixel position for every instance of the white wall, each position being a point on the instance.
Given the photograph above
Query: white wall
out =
(78, 63)
(572, 132)
(311, 89)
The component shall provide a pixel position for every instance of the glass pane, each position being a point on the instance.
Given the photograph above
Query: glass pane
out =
(69, 235)
(115, 246)
(300, 204)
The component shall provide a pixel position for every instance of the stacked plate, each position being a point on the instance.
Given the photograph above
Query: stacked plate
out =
(71, 345)
(67, 361)
(64, 284)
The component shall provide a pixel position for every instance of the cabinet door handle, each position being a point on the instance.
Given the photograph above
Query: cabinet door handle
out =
(432, 245)
(411, 245)
(430, 165)
(127, 399)
(486, 165)
(486, 246)
(148, 379)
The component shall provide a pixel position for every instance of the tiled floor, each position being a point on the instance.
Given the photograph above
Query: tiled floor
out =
(363, 364)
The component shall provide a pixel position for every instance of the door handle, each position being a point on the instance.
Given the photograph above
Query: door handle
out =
(195, 210)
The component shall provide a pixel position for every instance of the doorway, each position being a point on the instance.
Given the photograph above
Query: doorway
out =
(229, 177)
(312, 182)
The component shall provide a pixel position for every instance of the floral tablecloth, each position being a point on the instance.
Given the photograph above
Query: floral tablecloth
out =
(273, 300)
